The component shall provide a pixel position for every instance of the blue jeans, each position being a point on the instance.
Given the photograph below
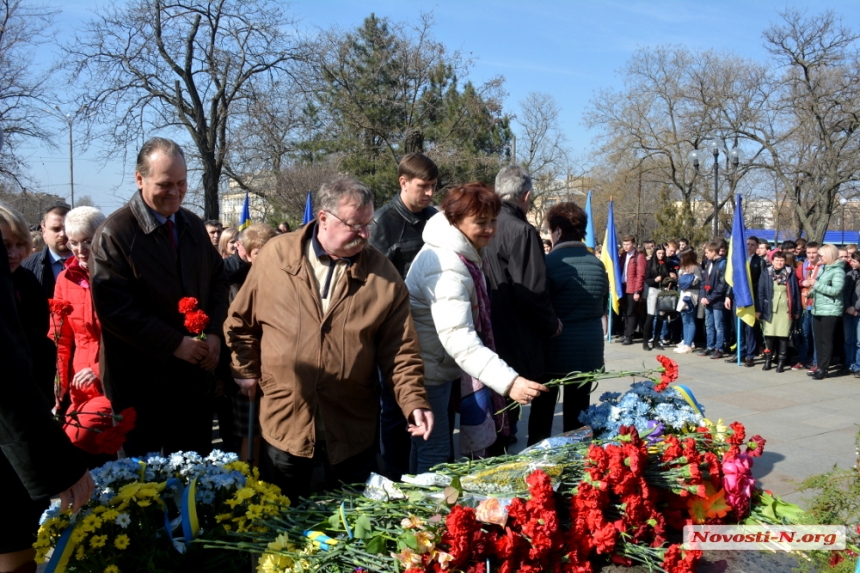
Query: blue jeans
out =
(805, 340)
(437, 448)
(688, 320)
(714, 328)
(850, 325)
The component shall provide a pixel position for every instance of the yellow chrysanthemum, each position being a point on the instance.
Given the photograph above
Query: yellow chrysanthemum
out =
(122, 541)
(111, 569)
(80, 553)
(98, 541)
(91, 523)
(78, 535)
(110, 514)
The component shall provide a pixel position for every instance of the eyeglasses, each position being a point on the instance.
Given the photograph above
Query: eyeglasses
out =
(83, 244)
(356, 228)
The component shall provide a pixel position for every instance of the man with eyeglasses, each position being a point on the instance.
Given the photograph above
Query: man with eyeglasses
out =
(317, 315)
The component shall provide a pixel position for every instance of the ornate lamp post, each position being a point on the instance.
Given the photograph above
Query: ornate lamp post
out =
(698, 158)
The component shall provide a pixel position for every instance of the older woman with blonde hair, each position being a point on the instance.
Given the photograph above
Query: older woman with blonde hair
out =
(79, 339)
(827, 305)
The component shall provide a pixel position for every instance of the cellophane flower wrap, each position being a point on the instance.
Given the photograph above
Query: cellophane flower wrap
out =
(123, 529)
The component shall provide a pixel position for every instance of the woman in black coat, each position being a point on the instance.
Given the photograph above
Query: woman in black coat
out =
(655, 273)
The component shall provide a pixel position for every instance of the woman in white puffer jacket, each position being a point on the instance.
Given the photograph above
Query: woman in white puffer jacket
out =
(451, 313)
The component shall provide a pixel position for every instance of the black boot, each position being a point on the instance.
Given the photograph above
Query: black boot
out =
(783, 355)
(768, 353)
(646, 346)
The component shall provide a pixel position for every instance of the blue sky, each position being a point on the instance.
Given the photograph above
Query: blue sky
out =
(569, 49)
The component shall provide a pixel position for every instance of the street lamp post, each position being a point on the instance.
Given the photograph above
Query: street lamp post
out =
(69, 118)
(697, 158)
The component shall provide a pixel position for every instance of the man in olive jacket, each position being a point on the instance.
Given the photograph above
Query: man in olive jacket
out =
(316, 316)
(521, 311)
(146, 257)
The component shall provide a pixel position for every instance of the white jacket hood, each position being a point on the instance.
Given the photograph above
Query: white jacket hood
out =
(440, 234)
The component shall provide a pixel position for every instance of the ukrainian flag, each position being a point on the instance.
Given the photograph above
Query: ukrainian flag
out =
(309, 210)
(738, 269)
(589, 226)
(245, 220)
(609, 256)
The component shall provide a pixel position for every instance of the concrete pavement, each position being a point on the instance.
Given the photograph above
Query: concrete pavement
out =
(809, 425)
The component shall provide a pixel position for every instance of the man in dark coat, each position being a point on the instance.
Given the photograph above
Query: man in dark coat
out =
(521, 311)
(146, 257)
(396, 233)
(749, 339)
(47, 263)
(714, 300)
(37, 461)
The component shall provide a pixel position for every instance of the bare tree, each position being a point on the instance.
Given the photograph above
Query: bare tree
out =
(541, 143)
(806, 115)
(22, 91)
(181, 64)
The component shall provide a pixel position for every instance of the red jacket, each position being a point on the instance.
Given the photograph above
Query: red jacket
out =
(635, 272)
(78, 344)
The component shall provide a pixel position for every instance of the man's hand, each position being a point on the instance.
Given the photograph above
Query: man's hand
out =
(84, 378)
(421, 423)
(213, 342)
(247, 386)
(636, 297)
(560, 328)
(757, 315)
(728, 304)
(79, 494)
(705, 301)
(191, 350)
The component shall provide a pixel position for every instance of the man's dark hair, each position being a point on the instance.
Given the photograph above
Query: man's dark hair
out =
(285, 224)
(417, 165)
(789, 245)
(628, 239)
(754, 238)
(713, 247)
(812, 245)
(168, 146)
(684, 241)
(60, 209)
(213, 223)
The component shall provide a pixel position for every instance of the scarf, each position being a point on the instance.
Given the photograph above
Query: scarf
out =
(778, 277)
(478, 423)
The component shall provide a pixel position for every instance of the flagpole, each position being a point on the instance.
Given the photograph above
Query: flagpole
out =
(739, 335)
(609, 317)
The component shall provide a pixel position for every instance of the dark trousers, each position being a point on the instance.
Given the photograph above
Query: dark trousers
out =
(749, 344)
(629, 310)
(171, 424)
(395, 441)
(650, 329)
(576, 400)
(294, 474)
(823, 328)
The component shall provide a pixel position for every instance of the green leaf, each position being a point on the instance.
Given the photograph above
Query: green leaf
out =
(409, 540)
(415, 496)
(363, 527)
(376, 544)
(334, 521)
(455, 483)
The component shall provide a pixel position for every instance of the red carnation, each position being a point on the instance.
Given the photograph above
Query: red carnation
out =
(196, 321)
(755, 447)
(738, 436)
(60, 308)
(187, 304)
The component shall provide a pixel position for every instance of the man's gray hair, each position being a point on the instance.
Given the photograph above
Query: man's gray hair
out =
(83, 221)
(166, 146)
(512, 182)
(332, 191)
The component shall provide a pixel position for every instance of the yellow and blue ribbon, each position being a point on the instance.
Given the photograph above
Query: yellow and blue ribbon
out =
(687, 394)
(342, 512)
(318, 537)
(62, 552)
(190, 524)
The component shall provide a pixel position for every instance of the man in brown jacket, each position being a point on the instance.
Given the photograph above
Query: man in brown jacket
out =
(317, 314)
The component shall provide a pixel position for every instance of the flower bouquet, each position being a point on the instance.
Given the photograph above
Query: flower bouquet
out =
(145, 514)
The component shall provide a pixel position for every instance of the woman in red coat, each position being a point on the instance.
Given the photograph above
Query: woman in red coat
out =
(80, 333)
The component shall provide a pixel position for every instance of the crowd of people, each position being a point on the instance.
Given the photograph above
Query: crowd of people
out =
(362, 332)
(806, 296)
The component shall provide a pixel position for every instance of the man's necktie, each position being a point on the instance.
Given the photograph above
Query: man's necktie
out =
(169, 224)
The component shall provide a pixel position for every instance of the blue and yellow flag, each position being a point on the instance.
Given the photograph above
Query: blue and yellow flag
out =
(738, 269)
(609, 256)
(589, 225)
(309, 210)
(245, 220)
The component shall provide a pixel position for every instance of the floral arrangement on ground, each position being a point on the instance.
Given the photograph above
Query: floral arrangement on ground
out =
(565, 505)
(145, 514)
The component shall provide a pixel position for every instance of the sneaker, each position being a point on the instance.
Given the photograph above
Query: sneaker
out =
(666, 342)
(685, 350)
(681, 348)
(798, 366)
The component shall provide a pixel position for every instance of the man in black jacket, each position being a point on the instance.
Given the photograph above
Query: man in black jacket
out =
(521, 311)
(47, 263)
(396, 233)
(146, 257)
